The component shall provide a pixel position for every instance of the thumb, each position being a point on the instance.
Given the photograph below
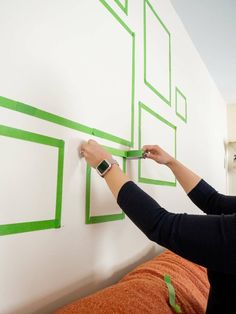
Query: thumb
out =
(150, 155)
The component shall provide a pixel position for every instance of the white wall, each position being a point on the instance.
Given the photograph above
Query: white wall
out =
(231, 116)
(231, 149)
(44, 64)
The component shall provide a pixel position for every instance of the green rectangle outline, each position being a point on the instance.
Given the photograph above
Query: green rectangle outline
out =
(20, 227)
(103, 218)
(147, 83)
(125, 26)
(47, 116)
(178, 91)
(156, 115)
(122, 7)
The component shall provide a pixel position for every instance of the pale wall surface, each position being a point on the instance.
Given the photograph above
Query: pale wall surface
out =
(44, 64)
(231, 149)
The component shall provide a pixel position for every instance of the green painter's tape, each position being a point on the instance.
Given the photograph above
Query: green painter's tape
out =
(29, 136)
(110, 137)
(124, 8)
(109, 8)
(45, 140)
(178, 91)
(88, 194)
(134, 154)
(157, 182)
(115, 151)
(104, 218)
(149, 84)
(126, 27)
(27, 227)
(59, 187)
(139, 137)
(141, 179)
(171, 292)
(133, 91)
(44, 115)
(47, 116)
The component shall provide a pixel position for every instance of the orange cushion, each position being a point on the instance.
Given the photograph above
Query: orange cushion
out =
(143, 290)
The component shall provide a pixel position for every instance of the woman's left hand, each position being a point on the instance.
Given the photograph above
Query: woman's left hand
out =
(94, 153)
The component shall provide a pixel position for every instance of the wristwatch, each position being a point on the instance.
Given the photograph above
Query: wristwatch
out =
(105, 165)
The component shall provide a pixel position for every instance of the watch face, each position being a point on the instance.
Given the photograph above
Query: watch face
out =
(103, 166)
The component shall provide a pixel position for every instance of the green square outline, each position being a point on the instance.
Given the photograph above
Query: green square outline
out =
(21, 227)
(156, 115)
(178, 91)
(48, 116)
(104, 218)
(147, 83)
(122, 7)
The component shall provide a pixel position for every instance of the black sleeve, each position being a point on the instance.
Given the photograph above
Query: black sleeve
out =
(209, 241)
(210, 201)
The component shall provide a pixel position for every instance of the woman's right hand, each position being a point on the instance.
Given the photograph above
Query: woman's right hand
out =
(157, 154)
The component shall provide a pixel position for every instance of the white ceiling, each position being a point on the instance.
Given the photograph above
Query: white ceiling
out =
(212, 26)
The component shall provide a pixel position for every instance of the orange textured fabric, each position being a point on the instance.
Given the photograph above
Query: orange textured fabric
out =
(143, 290)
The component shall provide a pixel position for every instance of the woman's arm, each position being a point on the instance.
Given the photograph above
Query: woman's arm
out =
(187, 179)
(200, 192)
(206, 240)
(210, 201)
(94, 154)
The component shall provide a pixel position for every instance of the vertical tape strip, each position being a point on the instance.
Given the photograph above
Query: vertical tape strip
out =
(171, 291)
(143, 107)
(109, 217)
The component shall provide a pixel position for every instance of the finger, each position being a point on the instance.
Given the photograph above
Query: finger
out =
(151, 156)
(83, 145)
(148, 147)
(85, 155)
(91, 141)
(81, 150)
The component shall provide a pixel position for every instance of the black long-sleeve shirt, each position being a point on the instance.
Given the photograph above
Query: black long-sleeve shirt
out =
(208, 240)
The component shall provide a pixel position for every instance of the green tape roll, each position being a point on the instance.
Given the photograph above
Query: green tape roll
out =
(134, 154)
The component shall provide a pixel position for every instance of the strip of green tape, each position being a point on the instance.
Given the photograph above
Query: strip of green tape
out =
(139, 138)
(30, 137)
(116, 16)
(149, 84)
(156, 182)
(115, 151)
(60, 172)
(106, 218)
(44, 115)
(171, 292)
(134, 153)
(49, 141)
(110, 137)
(47, 116)
(141, 179)
(178, 91)
(27, 227)
(103, 218)
(123, 153)
(124, 8)
(88, 194)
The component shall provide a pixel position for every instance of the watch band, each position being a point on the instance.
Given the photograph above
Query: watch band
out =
(112, 161)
